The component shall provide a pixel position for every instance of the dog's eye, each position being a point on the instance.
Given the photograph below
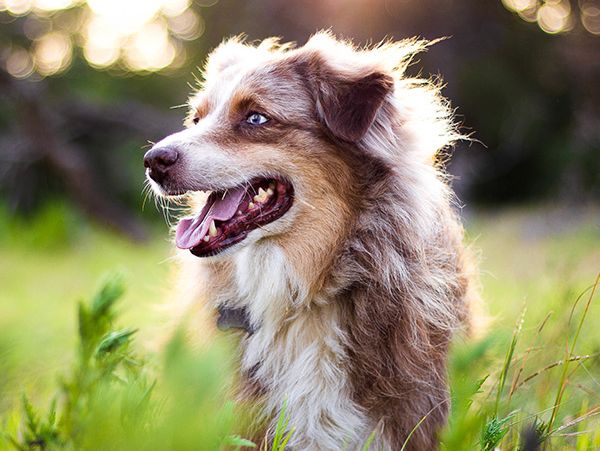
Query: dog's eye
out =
(257, 119)
(196, 120)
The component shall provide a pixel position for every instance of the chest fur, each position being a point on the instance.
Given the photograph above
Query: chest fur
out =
(297, 351)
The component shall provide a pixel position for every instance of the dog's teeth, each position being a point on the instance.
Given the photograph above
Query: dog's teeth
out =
(261, 196)
(212, 229)
(250, 205)
(206, 238)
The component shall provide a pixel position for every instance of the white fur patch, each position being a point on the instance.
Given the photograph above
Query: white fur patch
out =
(299, 361)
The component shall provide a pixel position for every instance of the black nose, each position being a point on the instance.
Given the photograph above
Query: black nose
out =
(158, 160)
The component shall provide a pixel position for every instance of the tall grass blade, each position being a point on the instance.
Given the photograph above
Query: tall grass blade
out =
(508, 360)
(413, 430)
(569, 354)
(369, 441)
(282, 434)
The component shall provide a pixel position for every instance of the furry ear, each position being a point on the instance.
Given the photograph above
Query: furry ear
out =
(348, 104)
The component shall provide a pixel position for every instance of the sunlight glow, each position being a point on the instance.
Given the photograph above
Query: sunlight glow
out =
(150, 49)
(102, 42)
(18, 7)
(175, 8)
(519, 5)
(138, 35)
(54, 5)
(552, 16)
(125, 16)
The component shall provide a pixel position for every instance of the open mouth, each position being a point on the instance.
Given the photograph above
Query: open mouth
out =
(230, 215)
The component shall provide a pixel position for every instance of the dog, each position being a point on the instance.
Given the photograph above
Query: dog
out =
(324, 230)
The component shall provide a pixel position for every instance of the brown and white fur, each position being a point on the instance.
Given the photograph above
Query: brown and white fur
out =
(355, 293)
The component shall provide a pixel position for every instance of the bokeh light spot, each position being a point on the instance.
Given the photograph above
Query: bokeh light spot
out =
(19, 63)
(18, 7)
(175, 8)
(54, 5)
(590, 18)
(100, 56)
(126, 16)
(141, 35)
(554, 17)
(558, 16)
(519, 5)
(52, 53)
(150, 49)
(187, 26)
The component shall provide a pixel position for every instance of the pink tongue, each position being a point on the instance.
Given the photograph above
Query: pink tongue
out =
(190, 231)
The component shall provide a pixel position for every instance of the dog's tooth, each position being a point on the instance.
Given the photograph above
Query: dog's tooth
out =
(206, 238)
(250, 205)
(239, 212)
(212, 229)
(261, 196)
(270, 191)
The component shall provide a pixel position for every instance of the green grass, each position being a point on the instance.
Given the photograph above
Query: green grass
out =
(49, 263)
(535, 264)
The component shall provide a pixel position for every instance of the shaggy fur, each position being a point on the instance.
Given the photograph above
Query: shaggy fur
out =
(356, 292)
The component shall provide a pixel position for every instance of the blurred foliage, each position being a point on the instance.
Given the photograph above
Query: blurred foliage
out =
(111, 398)
(510, 401)
(54, 226)
(504, 387)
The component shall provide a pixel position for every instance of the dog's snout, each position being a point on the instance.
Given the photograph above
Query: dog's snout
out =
(160, 157)
(158, 160)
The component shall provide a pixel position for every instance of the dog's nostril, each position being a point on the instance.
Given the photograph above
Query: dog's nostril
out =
(160, 158)
(167, 156)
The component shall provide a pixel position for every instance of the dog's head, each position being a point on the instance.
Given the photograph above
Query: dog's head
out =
(276, 135)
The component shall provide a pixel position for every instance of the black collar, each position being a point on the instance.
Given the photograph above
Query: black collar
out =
(234, 318)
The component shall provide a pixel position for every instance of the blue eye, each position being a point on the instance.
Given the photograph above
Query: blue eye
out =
(256, 119)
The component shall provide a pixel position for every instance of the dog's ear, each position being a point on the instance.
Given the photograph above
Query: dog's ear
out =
(348, 103)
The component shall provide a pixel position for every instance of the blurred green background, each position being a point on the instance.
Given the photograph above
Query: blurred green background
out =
(86, 85)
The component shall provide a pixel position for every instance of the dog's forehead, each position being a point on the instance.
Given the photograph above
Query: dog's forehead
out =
(269, 78)
(217, 88)
(221, 86)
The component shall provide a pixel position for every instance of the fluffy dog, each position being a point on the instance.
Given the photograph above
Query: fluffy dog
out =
(328, 235)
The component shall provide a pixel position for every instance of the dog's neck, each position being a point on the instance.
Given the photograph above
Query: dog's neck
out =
(234, 318)
(294, 343)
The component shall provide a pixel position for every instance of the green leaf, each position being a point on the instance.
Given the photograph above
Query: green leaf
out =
(112, 289)
(236, 440)
(114, 340)
(32, 419)
(493, 432)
